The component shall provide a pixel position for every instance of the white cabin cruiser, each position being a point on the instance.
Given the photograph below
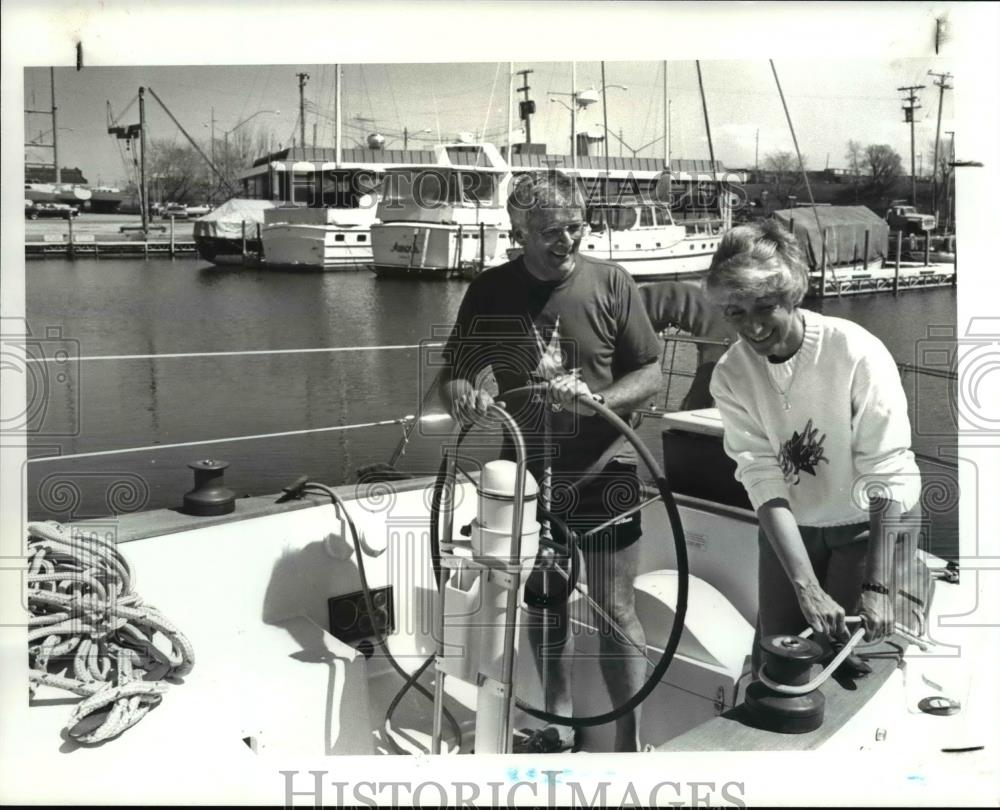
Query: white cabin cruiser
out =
(334, 233)
(645, 239)
(444, 220)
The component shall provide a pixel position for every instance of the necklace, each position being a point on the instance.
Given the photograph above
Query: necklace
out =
(783, 393)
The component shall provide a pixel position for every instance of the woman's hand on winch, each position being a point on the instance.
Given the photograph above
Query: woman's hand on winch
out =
(822, 612)
(877, 615)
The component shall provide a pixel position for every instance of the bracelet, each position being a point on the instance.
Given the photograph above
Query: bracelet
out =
(875, 587)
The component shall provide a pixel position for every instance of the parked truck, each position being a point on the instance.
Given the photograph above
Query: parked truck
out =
(904, 217)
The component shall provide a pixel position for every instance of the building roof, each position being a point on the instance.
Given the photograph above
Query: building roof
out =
(682, 168)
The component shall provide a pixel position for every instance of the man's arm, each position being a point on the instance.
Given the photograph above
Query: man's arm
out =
(633, 390)
(623, 396)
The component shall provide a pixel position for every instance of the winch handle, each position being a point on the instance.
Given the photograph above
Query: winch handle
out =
(820, 679)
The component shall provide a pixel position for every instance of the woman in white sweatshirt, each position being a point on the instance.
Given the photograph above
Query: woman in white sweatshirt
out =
(815, 419)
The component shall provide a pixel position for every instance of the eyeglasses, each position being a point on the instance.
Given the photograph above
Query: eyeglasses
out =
(575, 230)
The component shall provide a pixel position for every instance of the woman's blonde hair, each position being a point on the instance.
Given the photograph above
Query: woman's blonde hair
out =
(757, 260)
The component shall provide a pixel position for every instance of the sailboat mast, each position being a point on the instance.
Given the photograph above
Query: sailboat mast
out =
(607, 156)
(666, 123)
(572, 117)
(336, 115)
(143, 198)
(510, 117)
(55, 126)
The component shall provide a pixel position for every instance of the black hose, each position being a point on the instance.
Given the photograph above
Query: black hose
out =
(680, 546)
(410, 679)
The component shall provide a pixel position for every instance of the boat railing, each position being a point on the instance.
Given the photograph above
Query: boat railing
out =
(672, 338)
(407, 423)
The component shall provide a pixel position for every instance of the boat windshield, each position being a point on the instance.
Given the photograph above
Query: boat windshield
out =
(434, 187)
(342, 189)
(620, 218)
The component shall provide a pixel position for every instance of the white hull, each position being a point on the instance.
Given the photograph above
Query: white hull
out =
(317, 238)
(315, 247)
(434, 249)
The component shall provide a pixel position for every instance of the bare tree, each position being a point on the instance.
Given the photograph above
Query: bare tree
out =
(785, 176)
(855, 156)
(884, 167)
(175, 171)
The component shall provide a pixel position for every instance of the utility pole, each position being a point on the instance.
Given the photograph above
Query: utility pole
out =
(55, 126)
(526, 108)
(942, 85)
(908, 118)
(303, 78)
(143, 199)
(621, 134)
(756, 151)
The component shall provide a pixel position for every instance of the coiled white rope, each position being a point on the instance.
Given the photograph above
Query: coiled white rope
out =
(82, 604)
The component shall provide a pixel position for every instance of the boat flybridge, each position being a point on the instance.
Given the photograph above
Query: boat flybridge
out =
(385, 617)
(444, 220)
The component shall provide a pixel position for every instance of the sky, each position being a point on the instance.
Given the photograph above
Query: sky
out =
(830, 101)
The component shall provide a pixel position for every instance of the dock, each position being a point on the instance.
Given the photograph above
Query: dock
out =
(887, 278)
(87, 245)
(96, 236)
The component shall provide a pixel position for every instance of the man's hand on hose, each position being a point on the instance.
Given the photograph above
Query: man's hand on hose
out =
(472, 406)
(564, 391)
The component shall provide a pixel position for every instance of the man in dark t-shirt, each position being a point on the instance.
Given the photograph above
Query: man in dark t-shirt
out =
(578, 324)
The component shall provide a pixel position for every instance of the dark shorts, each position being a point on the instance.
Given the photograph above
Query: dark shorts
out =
(612, 491)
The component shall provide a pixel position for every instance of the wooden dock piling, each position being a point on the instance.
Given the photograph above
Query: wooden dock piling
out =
(899, 250)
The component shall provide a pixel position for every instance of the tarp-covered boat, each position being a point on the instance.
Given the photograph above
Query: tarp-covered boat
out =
(845, 227)
(220, 235)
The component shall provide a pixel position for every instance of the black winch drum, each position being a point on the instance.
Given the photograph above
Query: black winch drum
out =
(787, 660)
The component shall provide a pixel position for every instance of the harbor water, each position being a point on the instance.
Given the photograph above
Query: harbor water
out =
(384, 332)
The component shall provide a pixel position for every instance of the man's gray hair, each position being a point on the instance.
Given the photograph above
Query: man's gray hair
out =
(539, 190)
(757, 260)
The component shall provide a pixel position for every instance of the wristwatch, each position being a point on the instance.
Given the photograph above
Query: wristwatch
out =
(598, 398)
